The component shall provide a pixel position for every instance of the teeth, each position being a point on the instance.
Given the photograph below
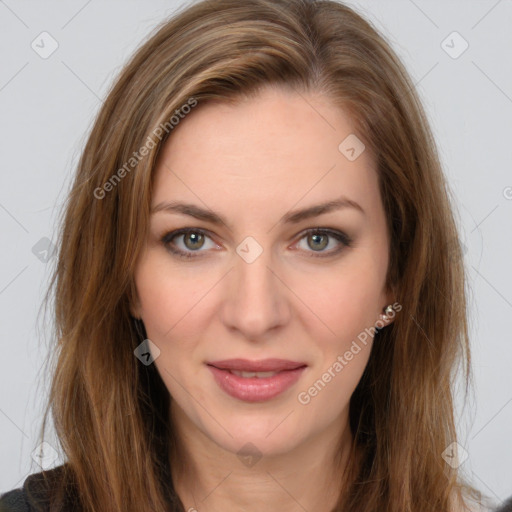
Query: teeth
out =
(259, 375)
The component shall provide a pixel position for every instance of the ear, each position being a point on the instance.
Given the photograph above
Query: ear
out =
(134, 312)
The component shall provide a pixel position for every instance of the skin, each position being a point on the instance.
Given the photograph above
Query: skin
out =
(253, 162)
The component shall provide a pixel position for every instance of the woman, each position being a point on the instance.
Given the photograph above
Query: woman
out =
(260, 291)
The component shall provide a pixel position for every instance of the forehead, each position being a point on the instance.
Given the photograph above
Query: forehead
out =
(279, 147)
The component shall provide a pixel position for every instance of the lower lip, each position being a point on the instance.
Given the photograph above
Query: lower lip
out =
(254, 389)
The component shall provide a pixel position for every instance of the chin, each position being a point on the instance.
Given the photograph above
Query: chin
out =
(266, 434)
(258, 446)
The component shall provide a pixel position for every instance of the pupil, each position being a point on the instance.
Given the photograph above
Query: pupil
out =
(316, 238)
(197, 238)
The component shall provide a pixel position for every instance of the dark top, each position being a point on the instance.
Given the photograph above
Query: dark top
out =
(33, 496)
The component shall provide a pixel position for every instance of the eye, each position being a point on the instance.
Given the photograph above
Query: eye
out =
(318, 240)
(193, 239)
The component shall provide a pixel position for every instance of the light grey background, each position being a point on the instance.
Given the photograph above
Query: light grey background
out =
(47, 107)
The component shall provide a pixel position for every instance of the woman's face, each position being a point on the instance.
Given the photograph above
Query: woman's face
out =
(256, 286)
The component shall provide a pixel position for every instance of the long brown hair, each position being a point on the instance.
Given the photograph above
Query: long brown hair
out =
(110, 411)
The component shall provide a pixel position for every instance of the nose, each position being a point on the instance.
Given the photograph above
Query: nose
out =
(256, 298)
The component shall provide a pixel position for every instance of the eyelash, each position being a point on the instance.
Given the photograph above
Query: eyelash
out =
(341, 237)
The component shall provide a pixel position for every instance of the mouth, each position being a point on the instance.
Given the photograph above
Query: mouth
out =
(262, 366)
(256, 381)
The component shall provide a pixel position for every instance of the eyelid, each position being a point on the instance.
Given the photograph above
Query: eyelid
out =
(170, 235)
(341, 237)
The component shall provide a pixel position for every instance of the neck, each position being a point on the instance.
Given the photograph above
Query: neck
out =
(206, 477)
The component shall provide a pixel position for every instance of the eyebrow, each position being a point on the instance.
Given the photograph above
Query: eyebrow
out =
(293, 217)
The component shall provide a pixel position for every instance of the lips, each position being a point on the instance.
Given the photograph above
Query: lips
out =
(264, 365)
(256, 381)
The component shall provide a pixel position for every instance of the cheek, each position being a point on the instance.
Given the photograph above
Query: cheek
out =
(167, 298)
(156, 297)
(346, 299)
(343, 349)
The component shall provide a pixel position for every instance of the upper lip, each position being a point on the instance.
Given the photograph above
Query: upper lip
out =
(263, 365)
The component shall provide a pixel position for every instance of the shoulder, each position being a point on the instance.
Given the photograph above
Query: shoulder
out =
(38, 490)
(506, 506)
(486, 506)
(14, 501)
(482, 504)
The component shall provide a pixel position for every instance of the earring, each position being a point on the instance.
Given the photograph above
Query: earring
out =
(387, 311)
